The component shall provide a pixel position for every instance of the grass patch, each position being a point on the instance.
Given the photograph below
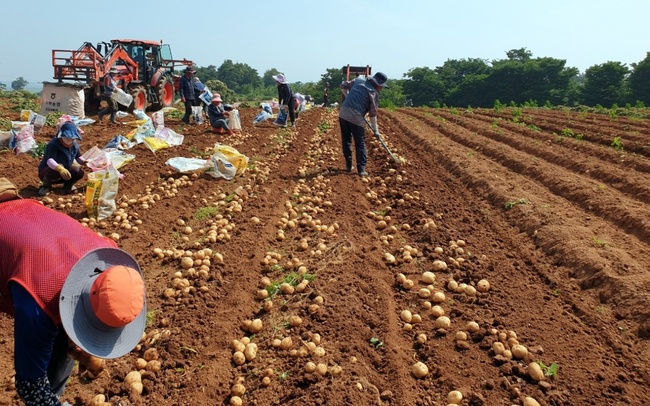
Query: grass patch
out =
(510, 205)
(206, 212)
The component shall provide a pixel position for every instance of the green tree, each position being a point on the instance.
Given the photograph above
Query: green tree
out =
(423, 86)
(604, 84)
(217, 86)
(236, 75)
(207, 73)
(19, 83)
(2, 86)
(639, 81)
(392, 96)
(463, 81)
(521, 55)
(267, 79)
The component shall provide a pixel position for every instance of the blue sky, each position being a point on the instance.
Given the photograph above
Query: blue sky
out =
(303, 38)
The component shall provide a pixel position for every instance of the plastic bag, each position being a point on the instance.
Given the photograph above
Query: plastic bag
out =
(206, 96)
(101, 190)
(239, 160)
(98, 160)
(281, 120)
(120, 142)
(185, 165)
(22, 138)
(234, 123)
(158, 119)
(140, 115)
(170, 136)
(118, 158)
(197, 114)
(221, 167)
(122, 97)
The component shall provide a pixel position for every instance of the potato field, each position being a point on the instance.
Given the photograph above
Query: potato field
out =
(504, 261)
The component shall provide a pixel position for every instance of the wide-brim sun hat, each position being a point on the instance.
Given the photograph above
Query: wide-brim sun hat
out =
(102, 303)
(69, 130)
(216, 98)
(113, 70)
(190, 69)
(280, 79)
(379, 79)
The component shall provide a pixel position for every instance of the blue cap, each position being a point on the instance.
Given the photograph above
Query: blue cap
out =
(69, 130)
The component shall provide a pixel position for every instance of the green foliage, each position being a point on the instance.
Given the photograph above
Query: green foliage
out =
(377, 343)
(549, 370)
(617, 144)
(323, 126)
(510, 205)
(600, 243)
(53, 118)
(567, 132)
(26, 104)
(5, 124)
(39, 149)
(175, 114)
(19, 83)
(292, 279)
(206, 212)
(497, 105)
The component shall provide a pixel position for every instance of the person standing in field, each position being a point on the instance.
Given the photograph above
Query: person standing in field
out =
(326, 95)
(285, 100)
(186, 91)
(362, 99)
(110, 87)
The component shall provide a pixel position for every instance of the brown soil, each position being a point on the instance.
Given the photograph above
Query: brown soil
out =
(559, 227)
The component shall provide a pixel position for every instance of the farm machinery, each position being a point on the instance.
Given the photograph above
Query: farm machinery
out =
(146, 70)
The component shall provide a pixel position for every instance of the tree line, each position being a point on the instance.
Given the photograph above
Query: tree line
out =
(519, 79)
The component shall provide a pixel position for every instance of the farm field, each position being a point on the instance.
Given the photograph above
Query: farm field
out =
(551, 207)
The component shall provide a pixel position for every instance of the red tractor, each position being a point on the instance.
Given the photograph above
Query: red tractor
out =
(146, 70)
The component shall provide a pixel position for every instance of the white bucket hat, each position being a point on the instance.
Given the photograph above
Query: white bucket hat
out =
(280, 79)
(102, 304)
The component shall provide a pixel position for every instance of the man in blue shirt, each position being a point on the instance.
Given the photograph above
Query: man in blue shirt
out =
(362, 99)
(186, 91)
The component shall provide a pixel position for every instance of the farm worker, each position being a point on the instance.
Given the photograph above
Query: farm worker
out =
(61, 160)
(186, 91)
(347, 85)
(265, 113)
(299, 103)
(326, 94)
(363, 99)
(217, 114)
(110, 87)
(286, 101)
(72, 294)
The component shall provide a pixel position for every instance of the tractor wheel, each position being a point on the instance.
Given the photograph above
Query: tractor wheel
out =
(165, 91)
(139, 94)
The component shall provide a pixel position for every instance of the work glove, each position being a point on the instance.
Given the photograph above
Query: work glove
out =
(65, 174)
(373, 125)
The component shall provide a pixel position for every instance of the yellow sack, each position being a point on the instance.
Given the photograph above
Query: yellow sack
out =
(101, 190)
(129, 136)
(239, 160)
(155, 144)
(138, 123)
